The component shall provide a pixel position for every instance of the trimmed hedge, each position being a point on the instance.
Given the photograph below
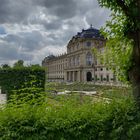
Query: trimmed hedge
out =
(23, 77)
(70, 120)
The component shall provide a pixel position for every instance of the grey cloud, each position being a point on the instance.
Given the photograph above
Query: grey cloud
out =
(28, 40)
(15, 11)
(97, 18)
(67, 10)
(8, 52)
(19, 11)
(61, 8)
(11, 38)
(20, 46)
(31, 41)
(2, 30)
(11, 52)
(54, 25)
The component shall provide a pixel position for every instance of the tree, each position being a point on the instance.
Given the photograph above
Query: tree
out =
(124, 30)
(19, 63)
(5, 66)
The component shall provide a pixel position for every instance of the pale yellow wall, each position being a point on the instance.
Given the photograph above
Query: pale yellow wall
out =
(62, 67)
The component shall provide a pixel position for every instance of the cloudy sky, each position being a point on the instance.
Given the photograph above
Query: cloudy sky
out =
(33, 29)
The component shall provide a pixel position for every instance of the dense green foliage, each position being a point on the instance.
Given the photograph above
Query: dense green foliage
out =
(123, 40)
(21, 77)
(122, 35)
(129, 9)
(118, 51)
(66, 118)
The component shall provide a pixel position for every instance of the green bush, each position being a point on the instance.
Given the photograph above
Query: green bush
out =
(22, 77)
(30, 95)
(70, 120)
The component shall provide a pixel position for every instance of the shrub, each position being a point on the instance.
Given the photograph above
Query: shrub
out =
(30, 95)
(70, 120)
(23, 77)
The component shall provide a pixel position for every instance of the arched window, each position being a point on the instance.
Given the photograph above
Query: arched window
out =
(73, 61)
(77, 46)
(70, 62)
(72, 48)
(77, 60)
(89, 58)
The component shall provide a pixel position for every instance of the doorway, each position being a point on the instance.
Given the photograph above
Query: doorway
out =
(89, 76)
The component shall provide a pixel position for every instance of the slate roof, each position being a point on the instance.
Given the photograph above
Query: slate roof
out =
(89, 33)
(50, 57)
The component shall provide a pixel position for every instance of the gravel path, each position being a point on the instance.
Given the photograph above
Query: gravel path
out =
(84, 92)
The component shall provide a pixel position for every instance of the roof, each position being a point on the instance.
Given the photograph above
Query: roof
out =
(89, 33)
(50, 57)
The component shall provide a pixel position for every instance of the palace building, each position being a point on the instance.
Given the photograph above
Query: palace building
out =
(79, 64)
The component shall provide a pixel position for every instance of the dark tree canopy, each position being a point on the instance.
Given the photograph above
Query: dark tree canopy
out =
(5, 66)
(19, 63)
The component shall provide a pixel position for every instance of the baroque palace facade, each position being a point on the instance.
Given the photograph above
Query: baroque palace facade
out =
(79, 64)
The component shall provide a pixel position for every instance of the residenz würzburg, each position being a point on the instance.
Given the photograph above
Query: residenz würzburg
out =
(79, 64)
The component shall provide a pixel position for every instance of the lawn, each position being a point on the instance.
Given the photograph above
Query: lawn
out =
(112, 92)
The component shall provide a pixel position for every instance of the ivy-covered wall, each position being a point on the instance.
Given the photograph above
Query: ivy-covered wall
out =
(20, 78)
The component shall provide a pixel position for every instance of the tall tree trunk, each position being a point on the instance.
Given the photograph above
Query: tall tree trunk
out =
(135, 70)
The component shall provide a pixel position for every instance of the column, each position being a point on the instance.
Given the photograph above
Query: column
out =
(78, 76)
(73, 78)
(81, 76)
(67, 76)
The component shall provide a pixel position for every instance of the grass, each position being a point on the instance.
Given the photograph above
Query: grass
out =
(112, 92)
